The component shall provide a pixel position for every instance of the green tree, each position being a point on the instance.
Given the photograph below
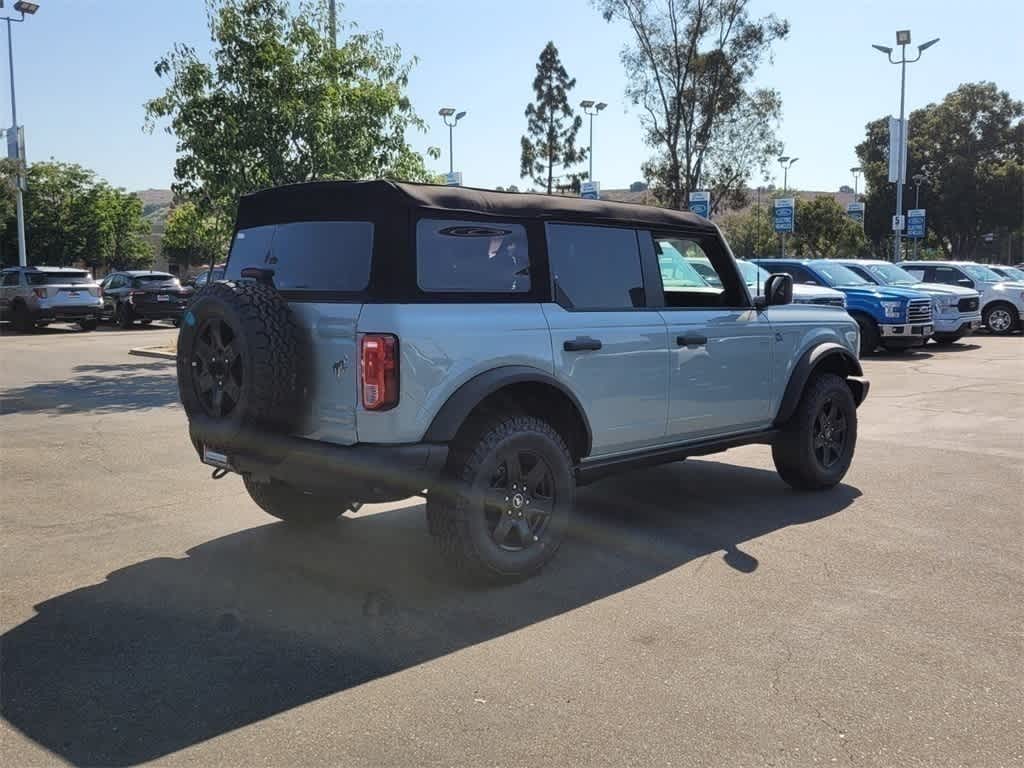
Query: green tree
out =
(689, 69)
(969, 148)
(551, 125)
(122, 229)
(279, 103)
(749, 232)
(192, 238)
(824, 231)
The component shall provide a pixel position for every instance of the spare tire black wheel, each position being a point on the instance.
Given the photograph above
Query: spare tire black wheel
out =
(239, 358)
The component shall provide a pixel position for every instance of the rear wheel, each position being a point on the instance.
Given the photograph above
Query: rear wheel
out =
(1001, 318)
(123, 316)
(511, 495)
(814, 449)
(88, 325)
(21, 318)
(292, 505)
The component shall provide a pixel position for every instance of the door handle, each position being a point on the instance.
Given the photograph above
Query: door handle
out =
(581, 344)
(691, 340)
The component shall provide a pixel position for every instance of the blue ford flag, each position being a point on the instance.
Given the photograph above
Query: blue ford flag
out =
(700, 203)
(916, 223)
(784, 214)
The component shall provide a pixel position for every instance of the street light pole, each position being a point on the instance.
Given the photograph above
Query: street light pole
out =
(22, 8)
(785, 162)
(588, 105)
(856, 179)
(902, 40)
(445, 113)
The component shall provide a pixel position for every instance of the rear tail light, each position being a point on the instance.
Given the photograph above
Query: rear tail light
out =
(378, 370)
(135, 295)
(94, 290)
(39, 292)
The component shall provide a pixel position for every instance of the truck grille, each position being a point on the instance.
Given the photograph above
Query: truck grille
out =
(967, 305)
(919, 311)
(831, 302)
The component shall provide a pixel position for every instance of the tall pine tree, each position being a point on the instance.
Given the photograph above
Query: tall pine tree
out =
(551, 125)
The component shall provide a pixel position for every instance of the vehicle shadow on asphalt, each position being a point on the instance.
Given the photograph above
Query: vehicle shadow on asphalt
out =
(63, 329)
(170, 652)
(113, 388)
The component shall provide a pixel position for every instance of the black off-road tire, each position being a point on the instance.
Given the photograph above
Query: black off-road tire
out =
(458, 517)
(1000, 310)
(292, 505)
(869, 335)
(945, 339)
(88, 325)
(794, 451)
(267, 341)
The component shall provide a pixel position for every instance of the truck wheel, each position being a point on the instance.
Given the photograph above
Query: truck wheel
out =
(88, 325)
(507, 507)
(1000, 318)
(869, 335)
(815, 447)
(123, 317)
(945, 339)
(292, 505)
(21, 319)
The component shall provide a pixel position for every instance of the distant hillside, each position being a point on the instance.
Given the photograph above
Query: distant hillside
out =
(156, 204)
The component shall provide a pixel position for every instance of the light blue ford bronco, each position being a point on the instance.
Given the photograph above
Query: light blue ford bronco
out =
(491, 351)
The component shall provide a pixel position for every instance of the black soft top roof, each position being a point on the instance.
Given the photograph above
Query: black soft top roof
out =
(384, 201)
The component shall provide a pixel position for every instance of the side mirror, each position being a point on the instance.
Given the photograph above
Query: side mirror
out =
(778, 290)
(965, 282)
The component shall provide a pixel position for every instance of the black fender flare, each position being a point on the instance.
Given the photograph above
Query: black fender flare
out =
(463, 400)
(827, 352)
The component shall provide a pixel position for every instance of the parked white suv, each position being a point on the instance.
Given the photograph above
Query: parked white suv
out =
(36, 296)
(1002, 302)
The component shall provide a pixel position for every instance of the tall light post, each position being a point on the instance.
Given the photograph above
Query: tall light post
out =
(786, 163)
(902, 40)
(445, 113)
(917, 178)
(591, 108)
(23, 8)
(856, 178)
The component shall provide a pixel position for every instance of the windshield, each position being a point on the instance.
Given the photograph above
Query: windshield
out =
(890, 274)
(1011, 273)
(752, 274)
(58, 278)
(984, 274)
(838, 275)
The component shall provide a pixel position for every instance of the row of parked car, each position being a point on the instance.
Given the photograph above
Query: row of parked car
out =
(31, 297)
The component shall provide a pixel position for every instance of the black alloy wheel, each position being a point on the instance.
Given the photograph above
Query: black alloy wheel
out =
(520, 500)
(217, 371)
(829, 433)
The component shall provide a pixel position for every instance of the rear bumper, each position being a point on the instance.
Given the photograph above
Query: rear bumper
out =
(157, 311)
(370, 473)
(68, 312)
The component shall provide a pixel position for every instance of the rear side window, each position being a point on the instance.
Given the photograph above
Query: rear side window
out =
(307, 255)
(471, 256)
(10, 278)
(595, 267)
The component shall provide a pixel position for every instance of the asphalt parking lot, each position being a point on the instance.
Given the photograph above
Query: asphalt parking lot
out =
(701, 615)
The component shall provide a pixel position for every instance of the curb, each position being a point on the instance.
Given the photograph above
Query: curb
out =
(160, 353)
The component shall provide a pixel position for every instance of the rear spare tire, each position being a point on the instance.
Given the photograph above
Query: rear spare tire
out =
(238, 357)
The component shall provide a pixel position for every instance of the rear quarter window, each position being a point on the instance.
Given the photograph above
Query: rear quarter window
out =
(471, 256)
(307, 255)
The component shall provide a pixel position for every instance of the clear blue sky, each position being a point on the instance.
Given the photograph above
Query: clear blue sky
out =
(84, 68)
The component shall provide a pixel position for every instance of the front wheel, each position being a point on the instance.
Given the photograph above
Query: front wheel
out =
(123, 317)
(292, 505)
(945, 339)
(869, 335)
(815, 447)
(21, 319)
(88, 325)
(511, 494)
(1001, 318)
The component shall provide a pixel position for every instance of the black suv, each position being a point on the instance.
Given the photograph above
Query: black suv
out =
(143, 295)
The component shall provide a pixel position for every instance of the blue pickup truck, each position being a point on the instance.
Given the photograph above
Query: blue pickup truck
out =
(889, 316)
